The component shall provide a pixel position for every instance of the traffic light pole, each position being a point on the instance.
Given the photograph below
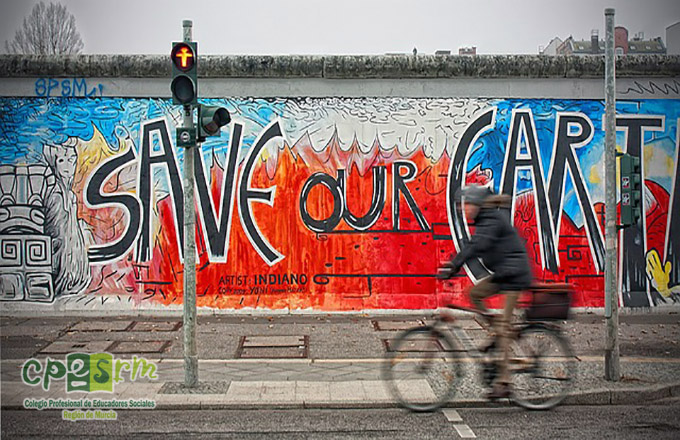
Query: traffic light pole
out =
(611, 298)
(190, 354)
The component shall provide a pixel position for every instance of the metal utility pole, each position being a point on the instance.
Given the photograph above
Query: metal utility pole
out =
(612, 370)
(190, 355)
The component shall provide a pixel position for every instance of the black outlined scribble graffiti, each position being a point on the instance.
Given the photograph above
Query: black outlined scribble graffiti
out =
(651, 87)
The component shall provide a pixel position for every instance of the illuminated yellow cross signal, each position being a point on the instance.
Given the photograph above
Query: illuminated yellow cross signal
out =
(184, 55)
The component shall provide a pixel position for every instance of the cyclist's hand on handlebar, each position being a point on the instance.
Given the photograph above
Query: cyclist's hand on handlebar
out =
(443, 273)
(447, 271)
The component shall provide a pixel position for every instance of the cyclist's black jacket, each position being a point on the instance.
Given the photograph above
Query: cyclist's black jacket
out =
(501, 249)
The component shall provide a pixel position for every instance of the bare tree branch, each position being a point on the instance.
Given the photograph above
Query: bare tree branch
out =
(48, 30)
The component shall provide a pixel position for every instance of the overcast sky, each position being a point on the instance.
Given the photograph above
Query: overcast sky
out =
(344, 26)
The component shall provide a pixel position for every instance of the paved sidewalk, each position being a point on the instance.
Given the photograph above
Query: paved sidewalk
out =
(352, 379)
(327, 384)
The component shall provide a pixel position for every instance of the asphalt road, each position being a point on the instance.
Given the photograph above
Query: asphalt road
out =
(658, 421)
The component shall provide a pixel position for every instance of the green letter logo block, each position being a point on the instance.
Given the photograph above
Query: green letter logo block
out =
(78, 377)
(101, 372)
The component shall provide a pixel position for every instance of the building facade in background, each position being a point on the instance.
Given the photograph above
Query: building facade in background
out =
(468, 51)
(673, 39)
(551, 48)
(623, 45)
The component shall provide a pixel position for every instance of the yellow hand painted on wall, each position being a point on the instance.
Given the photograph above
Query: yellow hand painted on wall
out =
(659, 275)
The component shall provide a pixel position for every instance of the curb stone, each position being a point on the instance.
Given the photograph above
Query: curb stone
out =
(628, 396)
(623, 397)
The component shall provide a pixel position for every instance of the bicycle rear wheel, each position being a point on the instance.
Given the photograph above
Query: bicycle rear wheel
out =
(421, 368)
(542, 366)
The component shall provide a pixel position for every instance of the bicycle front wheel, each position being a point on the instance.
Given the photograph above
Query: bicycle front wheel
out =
(421, 368)
(542, 366)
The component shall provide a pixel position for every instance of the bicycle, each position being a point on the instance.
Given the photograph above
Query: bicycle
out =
(541, 362)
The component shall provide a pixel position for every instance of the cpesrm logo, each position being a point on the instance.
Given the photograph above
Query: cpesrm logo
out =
(86, 371)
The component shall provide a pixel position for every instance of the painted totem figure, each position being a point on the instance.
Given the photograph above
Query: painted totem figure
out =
(25, 250)
(70, 266)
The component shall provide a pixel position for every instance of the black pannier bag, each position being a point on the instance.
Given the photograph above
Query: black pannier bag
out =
(550, 302)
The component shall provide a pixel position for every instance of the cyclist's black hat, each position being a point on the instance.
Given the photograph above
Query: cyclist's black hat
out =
(475, 194)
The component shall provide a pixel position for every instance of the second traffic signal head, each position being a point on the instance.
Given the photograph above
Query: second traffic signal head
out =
(210, 120)
(184, 86)
(183, 91)
(631, 190)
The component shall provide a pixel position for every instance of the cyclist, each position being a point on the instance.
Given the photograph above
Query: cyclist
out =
(502, 251)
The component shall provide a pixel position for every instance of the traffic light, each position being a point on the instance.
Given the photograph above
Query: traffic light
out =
(210, 120)
(631, 190)
(184, 86)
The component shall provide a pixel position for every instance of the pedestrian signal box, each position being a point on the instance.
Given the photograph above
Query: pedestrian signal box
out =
(184, 84)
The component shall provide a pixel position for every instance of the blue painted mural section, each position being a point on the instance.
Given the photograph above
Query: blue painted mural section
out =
(26, 125)
(491, 146)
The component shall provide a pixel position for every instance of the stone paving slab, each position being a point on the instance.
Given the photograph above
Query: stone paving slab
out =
(245, 391)
(32, 322)
(414, 346)
(273, 347)
(31, 330)
(156, 326)
(272, 352)
(281, 391)
(64, 347)
(265, 370)
(102, 326)
(203, 387)
(139, 347)
(273, 341)
(250, 392)
(142, 390)
(312, 392)
(395, 325)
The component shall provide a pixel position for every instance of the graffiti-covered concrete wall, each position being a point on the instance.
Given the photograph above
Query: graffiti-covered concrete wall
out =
(326, 192)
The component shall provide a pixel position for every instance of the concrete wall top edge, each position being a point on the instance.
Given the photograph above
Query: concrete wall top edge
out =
(342, 67)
